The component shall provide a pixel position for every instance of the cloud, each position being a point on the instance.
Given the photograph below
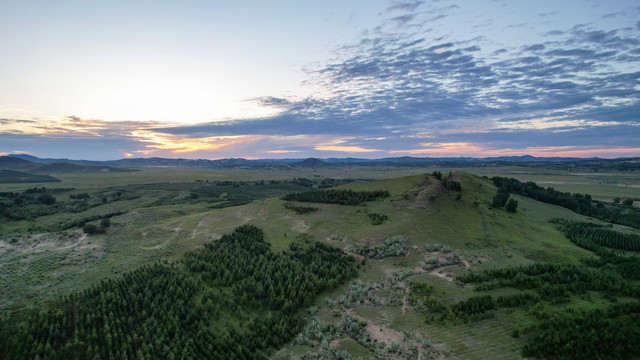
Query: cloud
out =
(547, 14)
(403, 19)
(73, 126)
(613, 15)
(272, 101)
(405, 6)
(282, 151)
(177, 145)
(347, 149)
(410, 89)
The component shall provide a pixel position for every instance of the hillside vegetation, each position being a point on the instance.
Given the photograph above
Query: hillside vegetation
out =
(444, 274)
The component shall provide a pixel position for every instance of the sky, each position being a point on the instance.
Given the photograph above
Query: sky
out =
(103, 80)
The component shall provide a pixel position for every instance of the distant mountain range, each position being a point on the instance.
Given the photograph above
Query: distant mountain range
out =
(32, 164)
(406, 160)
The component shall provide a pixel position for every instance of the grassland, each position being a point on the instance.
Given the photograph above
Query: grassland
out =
(161, 221)
(601, 185)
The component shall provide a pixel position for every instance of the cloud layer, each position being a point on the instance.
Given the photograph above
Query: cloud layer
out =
(414, 86)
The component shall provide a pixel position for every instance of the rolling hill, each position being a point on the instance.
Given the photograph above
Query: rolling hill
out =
(409, 298)
(17, 164)
(15, 169)
(12, 176)
(73, 168)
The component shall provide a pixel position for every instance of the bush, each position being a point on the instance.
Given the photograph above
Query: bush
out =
(105, 222)
(451, 184)
(500, 199)
(90, 229)
(393, 246)
(50, 200)
(301, 210)
(512, 205)
(377, 219)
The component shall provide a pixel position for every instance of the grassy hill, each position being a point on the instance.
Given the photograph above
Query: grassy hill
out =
(12, 176)
(14, 170)
(71, 168)
(446, 234)
(17, 164)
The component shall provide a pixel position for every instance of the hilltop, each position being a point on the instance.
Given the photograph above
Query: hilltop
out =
(17, 164)
(310, 162)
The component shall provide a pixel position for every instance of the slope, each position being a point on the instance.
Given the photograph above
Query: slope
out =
(71, 168)
(447, 233)
(16, 164)
(12, 176)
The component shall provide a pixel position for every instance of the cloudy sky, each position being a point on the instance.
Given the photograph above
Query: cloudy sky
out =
(291, 79)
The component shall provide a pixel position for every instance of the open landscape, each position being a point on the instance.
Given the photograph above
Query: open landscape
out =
(432, 265)
(320, 180)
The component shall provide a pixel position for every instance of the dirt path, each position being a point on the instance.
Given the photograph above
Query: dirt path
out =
(485, 226)
(404, 299)
(441, 275)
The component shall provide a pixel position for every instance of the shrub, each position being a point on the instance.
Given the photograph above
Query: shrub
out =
(451, 184)
(377, 219)
(50, 200)
(90, 229)
(393, 246)
(512, 205)
(500, 198)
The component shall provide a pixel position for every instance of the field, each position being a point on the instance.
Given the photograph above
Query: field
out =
(601, 185)
(162, 214)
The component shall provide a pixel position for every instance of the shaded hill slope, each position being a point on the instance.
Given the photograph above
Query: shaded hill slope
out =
(71, 168)
(12, 176)
(17, 164)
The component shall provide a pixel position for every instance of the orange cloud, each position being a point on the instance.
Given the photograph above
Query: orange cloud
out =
(444, 148)
(477, 150)
(177, 145)
(282, 151)
(335, 145)
(73, 126)
(573, 151)
(354, 149)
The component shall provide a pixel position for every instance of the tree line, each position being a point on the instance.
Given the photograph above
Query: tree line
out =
(580, 203)
(584, 234)
(337, 196)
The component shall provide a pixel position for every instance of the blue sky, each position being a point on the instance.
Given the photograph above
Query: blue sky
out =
(112, 79)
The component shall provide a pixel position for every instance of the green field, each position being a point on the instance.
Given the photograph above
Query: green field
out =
(156, 217)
